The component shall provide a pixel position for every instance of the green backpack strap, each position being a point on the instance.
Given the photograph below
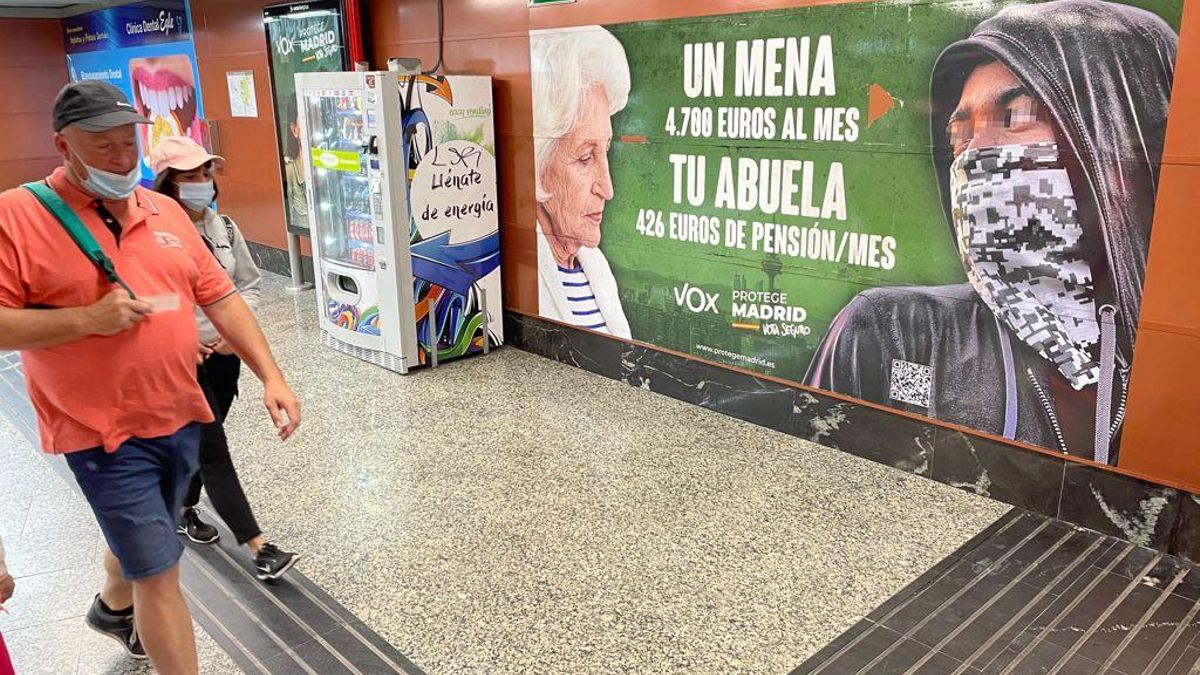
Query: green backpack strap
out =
(78, 231)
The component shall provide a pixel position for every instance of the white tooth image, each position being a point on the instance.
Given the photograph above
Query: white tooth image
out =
(177, 95)
(154, 101)
(163, 106)
(187, 94)
(145, 98)
(172, 99)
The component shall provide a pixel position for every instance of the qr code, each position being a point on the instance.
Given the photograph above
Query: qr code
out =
(911, 382)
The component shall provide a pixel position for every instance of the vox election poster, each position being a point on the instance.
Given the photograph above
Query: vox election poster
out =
(940, 207)
(145, 49)
(302, 37)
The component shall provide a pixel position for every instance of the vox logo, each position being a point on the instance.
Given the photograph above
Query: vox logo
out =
(696, 299)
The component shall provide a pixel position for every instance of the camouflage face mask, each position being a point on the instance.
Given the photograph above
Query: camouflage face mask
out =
(1018, 232)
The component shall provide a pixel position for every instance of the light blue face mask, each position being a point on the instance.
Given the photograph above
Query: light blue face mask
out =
(197, 196)
(108, 185)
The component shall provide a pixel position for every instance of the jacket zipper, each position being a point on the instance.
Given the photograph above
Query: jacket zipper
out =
(1045, 400)
(1037, 386)
(1120, 416)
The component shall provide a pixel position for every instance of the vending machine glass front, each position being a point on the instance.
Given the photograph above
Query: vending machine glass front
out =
(340, 184)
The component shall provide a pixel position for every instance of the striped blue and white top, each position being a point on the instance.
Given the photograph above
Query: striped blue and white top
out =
(585, 313)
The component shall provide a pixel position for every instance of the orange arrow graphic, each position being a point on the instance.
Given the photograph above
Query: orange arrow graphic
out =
(438, 86)
(880, 104)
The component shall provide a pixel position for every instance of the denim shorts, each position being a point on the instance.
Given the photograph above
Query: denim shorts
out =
(136, 494)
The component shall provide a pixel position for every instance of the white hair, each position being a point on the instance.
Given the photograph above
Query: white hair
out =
(565, 63)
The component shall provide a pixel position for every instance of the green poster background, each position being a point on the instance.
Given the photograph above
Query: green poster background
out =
(311, 42)
(890, 186)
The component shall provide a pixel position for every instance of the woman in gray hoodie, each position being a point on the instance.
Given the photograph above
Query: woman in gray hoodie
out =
(184, 172)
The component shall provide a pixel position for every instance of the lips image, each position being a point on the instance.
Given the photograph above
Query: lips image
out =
(165, 92)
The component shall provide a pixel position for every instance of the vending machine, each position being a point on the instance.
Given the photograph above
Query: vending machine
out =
(402, 204)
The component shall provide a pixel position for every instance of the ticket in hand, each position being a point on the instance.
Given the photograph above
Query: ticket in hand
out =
(162, 303)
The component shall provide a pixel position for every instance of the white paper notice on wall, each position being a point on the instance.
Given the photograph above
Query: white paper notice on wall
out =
(242, 102)
(455, 189)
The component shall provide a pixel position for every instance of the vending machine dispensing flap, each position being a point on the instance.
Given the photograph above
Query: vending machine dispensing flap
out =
(342, 288)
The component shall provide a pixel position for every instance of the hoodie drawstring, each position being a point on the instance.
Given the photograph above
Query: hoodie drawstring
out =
(1104, 391)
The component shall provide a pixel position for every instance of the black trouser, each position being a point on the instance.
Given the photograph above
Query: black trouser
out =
(219, 379)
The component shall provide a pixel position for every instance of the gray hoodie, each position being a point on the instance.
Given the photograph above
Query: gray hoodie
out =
(225, 240)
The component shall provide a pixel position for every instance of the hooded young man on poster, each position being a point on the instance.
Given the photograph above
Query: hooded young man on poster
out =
(1047, 128)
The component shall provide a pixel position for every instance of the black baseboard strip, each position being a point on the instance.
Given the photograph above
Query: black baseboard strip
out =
(1139, 511)
(275, 260)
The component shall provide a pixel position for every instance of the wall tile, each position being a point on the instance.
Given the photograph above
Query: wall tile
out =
(578, 348)
(230, 36)
(1115, 504)
(276, 260)
(1159, 438)
(518, 259)
(899, 442)
(735, 394)
(1186, 542)
(985, 467)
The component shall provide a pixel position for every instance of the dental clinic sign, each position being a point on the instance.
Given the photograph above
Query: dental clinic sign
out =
(144, 49)
(135, 25)
(166, 23)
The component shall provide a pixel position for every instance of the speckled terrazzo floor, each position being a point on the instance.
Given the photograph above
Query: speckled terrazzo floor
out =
(510, 514)
(54, 549)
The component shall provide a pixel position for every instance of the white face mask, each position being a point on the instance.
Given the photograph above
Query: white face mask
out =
(197, 196)
(108, 185)
(1021, 244)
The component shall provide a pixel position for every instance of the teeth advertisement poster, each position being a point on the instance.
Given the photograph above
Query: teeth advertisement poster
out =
(940, 207)
(302, 37)
(145, 49)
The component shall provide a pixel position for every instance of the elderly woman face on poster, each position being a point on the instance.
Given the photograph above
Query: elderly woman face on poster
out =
(581, 78)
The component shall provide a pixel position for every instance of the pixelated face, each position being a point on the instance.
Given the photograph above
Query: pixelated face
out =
(577, 176)
(1021, 242)
(995, 109)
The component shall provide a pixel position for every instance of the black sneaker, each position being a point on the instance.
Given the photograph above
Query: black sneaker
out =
(195, 529)
(272, 562)
(119, 627)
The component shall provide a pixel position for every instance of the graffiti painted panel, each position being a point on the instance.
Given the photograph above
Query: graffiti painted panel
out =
(455, 228)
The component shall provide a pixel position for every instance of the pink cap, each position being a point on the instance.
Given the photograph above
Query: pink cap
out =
(180, 153)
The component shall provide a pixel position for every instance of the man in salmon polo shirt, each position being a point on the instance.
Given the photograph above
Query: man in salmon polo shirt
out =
(111, 367)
